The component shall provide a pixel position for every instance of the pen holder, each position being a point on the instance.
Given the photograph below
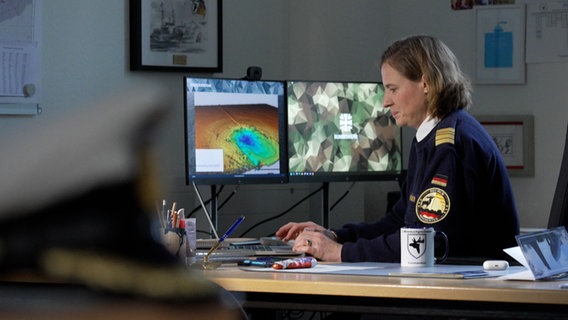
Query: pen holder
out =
(174, 240)
(181, 242)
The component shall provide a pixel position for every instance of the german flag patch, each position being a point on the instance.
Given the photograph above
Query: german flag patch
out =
(446, 135)
(440, 180)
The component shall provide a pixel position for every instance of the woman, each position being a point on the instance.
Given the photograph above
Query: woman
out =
(456, 180)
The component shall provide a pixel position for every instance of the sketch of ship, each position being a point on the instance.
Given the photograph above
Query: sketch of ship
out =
(171, 36)
(168, 30)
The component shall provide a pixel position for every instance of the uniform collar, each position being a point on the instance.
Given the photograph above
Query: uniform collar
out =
(426, 127)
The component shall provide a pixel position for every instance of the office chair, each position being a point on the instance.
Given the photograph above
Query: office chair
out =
(558, 211)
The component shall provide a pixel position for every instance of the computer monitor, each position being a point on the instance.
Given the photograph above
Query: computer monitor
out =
(235, 131)
(340, 131)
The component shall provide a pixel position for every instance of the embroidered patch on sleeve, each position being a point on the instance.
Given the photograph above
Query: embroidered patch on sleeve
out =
(446, 135)
(440, 180)
(433, 205)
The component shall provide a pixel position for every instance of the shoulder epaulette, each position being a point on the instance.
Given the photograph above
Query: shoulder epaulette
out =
(445, 135)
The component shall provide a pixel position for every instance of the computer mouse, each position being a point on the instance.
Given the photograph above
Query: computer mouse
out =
(495, 265)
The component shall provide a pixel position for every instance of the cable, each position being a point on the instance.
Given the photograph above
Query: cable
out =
(202, 206)
(229, 197)
(283, 213)
(204, 232)
(199, 207)
(342, 197)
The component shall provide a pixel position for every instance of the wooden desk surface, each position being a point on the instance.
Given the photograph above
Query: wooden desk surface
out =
(478, 290)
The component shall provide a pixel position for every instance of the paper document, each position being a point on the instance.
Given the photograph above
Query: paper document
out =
(544, 254)
(464, 274)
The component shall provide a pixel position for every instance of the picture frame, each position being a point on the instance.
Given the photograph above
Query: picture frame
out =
(500, 44)
(176, 35)
(514, 136)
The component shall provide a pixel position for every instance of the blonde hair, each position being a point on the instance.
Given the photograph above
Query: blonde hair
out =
(425, 56)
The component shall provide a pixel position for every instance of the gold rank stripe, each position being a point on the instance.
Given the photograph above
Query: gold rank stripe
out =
(446, 135)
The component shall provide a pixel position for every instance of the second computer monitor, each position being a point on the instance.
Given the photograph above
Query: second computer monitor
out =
(235, 131)
(340, 131)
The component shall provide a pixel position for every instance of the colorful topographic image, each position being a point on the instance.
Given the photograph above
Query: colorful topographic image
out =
(247, 134)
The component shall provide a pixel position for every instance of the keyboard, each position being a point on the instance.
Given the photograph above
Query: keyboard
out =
(208, 243)
(241, 252)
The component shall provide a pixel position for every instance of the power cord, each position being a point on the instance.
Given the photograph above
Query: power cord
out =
(283, 213)
(342, 197)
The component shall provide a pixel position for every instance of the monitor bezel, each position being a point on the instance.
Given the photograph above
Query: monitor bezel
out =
(230, 179)
(344, 176)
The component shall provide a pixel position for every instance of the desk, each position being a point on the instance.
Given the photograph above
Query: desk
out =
(487, 297)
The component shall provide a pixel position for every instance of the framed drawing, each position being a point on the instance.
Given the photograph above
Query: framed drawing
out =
(514, 137)
(176, 35)
(500, 44)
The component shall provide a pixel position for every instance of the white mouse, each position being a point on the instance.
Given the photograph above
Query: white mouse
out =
(495, 265)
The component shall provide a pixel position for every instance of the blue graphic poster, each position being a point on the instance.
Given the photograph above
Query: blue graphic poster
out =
(500, 44)
(499, 48)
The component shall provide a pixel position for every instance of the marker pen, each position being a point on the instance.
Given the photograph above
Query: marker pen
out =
(255, 263)
(296, 263)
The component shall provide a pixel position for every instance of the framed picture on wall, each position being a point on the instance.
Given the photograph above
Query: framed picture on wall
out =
(514, 137)
(500, 44)
(176, 35)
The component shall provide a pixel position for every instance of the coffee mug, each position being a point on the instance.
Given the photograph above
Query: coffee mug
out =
(417, 247)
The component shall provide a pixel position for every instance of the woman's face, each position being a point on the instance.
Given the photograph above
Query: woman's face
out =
(405, 98)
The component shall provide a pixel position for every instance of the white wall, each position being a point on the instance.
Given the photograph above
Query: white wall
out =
(337, 40)
(85, 56)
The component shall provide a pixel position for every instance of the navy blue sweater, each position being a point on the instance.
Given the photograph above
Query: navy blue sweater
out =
(457, 183)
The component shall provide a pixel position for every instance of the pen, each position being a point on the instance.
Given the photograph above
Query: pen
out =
(295, 263)
(163, 214)
(173, 216)
(229, 231)
(256, 263)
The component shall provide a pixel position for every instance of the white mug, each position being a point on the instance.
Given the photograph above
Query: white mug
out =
(417, 247)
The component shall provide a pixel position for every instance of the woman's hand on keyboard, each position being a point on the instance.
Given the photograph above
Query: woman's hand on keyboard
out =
(312, 239)
(317, 244)
(292, 230)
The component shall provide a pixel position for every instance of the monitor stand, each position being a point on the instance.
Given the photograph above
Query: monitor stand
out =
(325, 205)
(210, 215)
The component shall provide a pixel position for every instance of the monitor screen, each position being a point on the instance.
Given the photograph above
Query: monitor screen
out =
(340, 131)
(235, 131)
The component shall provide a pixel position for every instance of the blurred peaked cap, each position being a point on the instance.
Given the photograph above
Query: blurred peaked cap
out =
(44, 162)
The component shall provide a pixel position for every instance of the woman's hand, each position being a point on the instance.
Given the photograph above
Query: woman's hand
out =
(312, 239)
(292, 230)
(316, 243)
